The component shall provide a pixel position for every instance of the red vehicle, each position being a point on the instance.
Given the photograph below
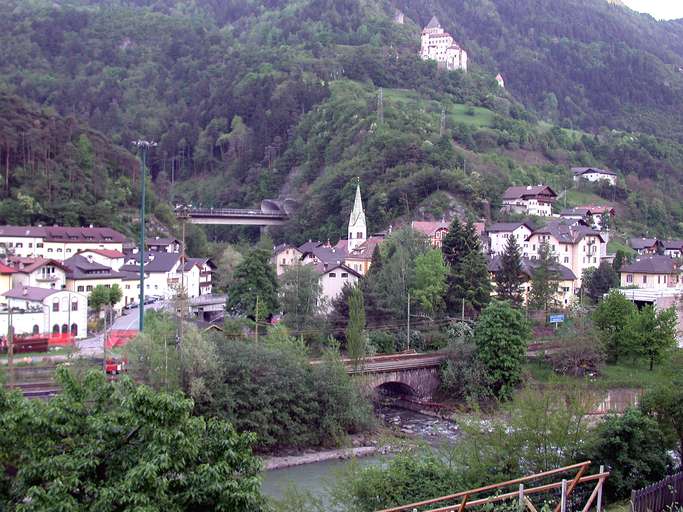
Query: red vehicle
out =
(115, 366)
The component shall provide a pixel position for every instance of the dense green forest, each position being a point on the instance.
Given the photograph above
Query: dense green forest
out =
(269, 98)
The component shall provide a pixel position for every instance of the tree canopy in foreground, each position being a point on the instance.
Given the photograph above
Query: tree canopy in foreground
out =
(120, 446)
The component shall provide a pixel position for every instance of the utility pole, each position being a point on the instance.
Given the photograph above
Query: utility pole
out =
(408, 327)
(256, 321)
(183, 258)
(380, 107)
(143, 146)
(104, 344)
(10, 345)
(442, 127)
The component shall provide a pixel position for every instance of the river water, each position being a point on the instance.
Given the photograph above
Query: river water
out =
(317, 478)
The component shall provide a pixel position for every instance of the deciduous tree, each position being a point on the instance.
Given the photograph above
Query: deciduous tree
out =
(651, 334)
(501, 336)
(610, 318)
(430, 281)
(254, 281)
(100, 445)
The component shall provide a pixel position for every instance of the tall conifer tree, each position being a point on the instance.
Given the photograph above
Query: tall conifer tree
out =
(468, 277)
(509, 278)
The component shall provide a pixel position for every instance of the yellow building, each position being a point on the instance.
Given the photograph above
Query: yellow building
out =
(572, 244)
(566, 280)
(651, 272)
(5, 278)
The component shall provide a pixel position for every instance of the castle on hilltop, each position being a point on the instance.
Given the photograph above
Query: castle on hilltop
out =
(439, 45)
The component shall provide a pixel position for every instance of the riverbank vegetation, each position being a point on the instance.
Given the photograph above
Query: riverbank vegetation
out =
(538, 431)
(268, 388)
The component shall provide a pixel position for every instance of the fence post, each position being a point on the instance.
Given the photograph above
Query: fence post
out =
(521, 497)
(602, 481)
(563, 500)
(633, 501)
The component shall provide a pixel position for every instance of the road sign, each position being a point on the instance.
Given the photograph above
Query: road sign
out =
(556, 319)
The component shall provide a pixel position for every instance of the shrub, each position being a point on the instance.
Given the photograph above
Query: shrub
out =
(463, 376)
(276, 393)
(580, 355)
(383, 342)
(633, 449)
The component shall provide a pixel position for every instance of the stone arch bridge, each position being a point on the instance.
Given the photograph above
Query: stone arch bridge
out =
(409, 374)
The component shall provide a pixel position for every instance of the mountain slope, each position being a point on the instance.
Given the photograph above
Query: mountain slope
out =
(255, 99)
(56, 170)
(579, 62)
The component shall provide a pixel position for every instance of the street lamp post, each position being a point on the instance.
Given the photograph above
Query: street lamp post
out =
(143, 146)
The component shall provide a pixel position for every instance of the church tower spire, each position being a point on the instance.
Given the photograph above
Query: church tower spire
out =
(357, 226)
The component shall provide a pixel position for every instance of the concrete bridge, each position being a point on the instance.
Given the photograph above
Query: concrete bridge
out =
(404, 374)
(272, 213)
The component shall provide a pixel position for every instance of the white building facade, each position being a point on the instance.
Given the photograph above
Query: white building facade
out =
(439, 45)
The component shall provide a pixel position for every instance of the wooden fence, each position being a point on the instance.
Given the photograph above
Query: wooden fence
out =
(659, 496)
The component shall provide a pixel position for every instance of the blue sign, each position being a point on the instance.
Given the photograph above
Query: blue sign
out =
(556, 319)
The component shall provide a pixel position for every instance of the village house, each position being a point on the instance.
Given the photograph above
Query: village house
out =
(646, 245)
(499, 233)
(57, 242)
(84, 275)
(673, 248)
(45, 310)
(436, 231)
(597, 217)
(106, 257)
(439, 45)
(333, 278)
(360, 258)
(199, 276)
(500, 81)
(37, 272)
(651, 272)
(158, 244)
(5, 278)
(162, 273)
(574, 245)
(529, 200)
(286, 255)
(566, 279)
(593, 174)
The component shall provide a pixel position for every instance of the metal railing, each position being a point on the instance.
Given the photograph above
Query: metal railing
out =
(460, 501)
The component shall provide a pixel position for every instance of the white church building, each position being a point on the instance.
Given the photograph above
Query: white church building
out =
(439, 45)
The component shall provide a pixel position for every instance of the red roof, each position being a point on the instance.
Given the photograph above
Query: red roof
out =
(107, 253)
(28, 265)
(4, 269)
(429, 228)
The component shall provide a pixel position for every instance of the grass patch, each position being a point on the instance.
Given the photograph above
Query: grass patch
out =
(625, 374)
(615, 245)
(407, 100)
(578, 197)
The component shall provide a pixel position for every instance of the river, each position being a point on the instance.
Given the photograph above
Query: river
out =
(316, 478)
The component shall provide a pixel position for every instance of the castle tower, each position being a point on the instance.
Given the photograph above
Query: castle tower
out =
(357, 227)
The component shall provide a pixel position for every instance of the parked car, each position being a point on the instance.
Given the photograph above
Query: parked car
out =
(131, 305)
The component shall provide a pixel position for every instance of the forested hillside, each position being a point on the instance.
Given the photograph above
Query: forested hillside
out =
(256, 99)
(57, 170)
